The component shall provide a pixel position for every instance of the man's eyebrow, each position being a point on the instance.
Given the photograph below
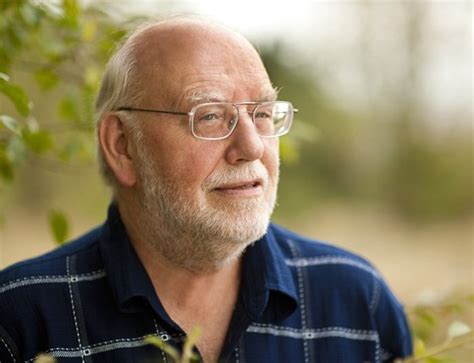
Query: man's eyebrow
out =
(268, 94)
(199, 96)
(206, 96)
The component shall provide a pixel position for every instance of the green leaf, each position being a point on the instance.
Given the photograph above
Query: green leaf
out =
(190, 342)
(420, 347)
(92, 77)
(6, 167)
(37, 141)
(45, 358)
(4, 77)
(67, 109)
(59, 226)
(168, 349)
(10, 123)
(89, 31)
(71, 13)
(17, 95)
(457, 329)
(288, 151)
(11, 152)
(15, 150)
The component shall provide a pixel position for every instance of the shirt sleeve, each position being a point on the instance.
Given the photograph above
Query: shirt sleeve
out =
(392, 325)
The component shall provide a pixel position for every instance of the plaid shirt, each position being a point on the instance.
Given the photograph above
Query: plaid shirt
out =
(299, 301)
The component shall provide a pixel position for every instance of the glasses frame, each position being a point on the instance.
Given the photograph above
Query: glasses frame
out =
(235, 105)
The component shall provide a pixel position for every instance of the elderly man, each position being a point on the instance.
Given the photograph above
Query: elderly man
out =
(188, 127)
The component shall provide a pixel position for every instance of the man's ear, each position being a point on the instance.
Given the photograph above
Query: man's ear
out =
(115, 144)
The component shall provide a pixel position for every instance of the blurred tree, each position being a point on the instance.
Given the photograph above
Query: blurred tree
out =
(61, 49)
(387, 152)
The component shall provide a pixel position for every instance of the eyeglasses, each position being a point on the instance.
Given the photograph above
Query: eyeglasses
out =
(217, 120)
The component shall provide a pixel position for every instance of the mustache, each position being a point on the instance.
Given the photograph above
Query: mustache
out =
(237, 174)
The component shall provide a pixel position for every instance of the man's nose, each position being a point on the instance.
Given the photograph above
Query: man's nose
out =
(245, 143)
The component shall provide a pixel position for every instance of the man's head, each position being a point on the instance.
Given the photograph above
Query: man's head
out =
(198, 202)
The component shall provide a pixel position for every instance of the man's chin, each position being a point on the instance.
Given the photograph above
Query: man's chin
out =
(239, 207)
(241, 230)
(220, 198)
(242, 221)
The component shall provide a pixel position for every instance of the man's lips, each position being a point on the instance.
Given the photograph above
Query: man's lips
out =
(240, 185)
(241, 189)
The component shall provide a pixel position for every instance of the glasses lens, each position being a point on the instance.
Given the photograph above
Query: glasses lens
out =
(214, 120)
(273, 118)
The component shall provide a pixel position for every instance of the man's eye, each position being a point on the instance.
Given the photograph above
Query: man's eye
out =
(262, 114)
(210, 117)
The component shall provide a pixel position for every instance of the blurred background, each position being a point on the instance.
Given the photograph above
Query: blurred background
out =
(379, 160)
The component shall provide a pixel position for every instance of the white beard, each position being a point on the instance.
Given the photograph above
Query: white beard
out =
(196, 230)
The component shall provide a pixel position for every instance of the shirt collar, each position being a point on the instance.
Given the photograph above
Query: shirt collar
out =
(128, 279)
(266, 283)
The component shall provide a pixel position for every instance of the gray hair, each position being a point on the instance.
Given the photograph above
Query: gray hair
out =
(119, 88)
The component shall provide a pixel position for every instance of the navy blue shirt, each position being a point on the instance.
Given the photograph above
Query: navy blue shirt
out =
(299, 301)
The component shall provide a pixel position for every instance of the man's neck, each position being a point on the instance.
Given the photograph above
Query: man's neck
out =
(187, 288)
(195, 299)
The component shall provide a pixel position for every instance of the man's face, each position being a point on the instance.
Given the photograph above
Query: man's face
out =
(215, 197)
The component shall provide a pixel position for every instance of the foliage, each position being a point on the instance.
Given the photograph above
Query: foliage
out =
(59, 226)
(452, 342)
(59, 49)
(429, 320)
(45, 358)
(187, 354)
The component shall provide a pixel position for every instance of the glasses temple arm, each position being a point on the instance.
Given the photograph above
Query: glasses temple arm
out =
(148, 110)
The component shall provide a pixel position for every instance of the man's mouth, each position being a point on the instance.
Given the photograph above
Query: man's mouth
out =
(245, 185)
(245, 188)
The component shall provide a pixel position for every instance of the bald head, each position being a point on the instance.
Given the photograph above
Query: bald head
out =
(171, 54)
